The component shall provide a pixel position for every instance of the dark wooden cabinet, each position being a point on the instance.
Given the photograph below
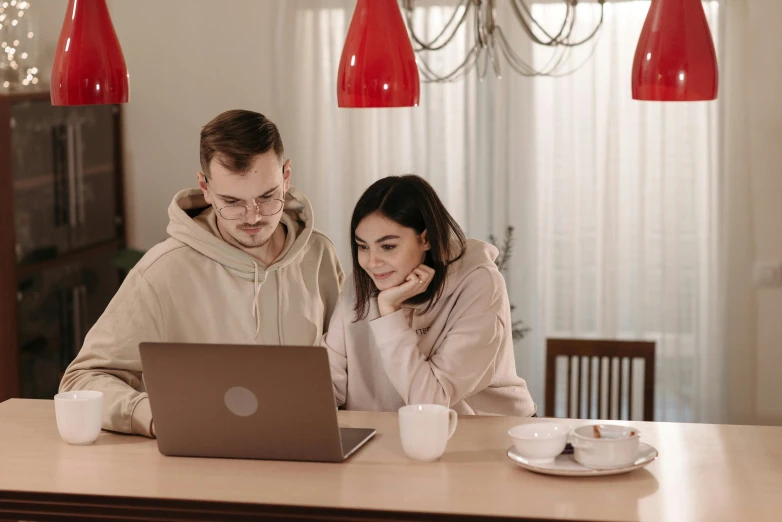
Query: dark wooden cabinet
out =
(61, 225)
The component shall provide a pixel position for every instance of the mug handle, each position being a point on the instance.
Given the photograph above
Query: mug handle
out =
(453, 420)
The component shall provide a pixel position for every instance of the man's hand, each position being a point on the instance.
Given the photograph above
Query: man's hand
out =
(390, 300)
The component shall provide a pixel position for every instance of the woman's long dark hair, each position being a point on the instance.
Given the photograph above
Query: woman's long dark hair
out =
(411, 202)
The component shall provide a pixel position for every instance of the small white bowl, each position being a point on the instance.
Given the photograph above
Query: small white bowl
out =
(540, 442)
(617, 446)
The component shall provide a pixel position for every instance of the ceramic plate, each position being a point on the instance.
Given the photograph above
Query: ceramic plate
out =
(566, 465)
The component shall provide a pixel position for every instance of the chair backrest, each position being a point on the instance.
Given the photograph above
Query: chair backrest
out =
(599, 351)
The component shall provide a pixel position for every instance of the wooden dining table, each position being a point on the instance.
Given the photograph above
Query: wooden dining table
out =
(703, 472)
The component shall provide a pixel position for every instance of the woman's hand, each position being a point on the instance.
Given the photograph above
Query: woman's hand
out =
(390, 300)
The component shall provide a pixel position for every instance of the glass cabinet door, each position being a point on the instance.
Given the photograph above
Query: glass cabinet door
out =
(96, 174)
(56, 309)
(46, 331)
(42, 208)
(65, 170)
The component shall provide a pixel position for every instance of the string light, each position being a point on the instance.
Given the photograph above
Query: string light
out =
(15, 69)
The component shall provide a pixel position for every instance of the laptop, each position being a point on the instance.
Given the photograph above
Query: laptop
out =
(246, 402)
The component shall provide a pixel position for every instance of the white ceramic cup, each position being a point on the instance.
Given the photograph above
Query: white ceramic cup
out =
(79, 416)
(425, 430)
(540, 442)
(617, 446)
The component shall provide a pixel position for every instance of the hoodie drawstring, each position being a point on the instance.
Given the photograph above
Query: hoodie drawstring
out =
(257, 315)
(279, 306)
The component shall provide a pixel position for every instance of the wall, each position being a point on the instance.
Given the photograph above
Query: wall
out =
(188, 61)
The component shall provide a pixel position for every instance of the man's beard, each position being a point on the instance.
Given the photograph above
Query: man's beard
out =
(246, 244)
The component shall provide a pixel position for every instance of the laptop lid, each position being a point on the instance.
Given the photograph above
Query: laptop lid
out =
(242, 401)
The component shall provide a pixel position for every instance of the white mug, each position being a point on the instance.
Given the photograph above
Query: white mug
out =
(79, 416)
(425, 430)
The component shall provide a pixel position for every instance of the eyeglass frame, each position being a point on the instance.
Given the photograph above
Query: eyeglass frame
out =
(254, 203)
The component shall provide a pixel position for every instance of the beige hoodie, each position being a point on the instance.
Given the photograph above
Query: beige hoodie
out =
(458, 354)
(195, 287)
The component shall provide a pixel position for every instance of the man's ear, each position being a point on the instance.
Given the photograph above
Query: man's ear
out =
(286, 175)
(203, 184)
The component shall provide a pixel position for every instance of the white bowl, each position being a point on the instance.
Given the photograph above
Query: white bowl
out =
(540, 442)
(617, 446)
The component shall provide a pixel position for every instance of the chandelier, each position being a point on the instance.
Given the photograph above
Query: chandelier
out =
(490, 44)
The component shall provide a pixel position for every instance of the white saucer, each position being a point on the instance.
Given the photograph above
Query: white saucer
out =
(566, 465)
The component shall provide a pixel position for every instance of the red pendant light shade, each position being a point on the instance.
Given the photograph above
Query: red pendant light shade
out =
(88, 68)
(377, 68)
(675, 58)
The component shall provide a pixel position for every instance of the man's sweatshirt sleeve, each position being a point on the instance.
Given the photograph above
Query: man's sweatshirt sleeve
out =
(109, 360)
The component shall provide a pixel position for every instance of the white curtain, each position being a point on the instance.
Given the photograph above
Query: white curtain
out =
(630, 202)
(614, 203)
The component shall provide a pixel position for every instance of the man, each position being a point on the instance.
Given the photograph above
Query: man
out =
(243, 265)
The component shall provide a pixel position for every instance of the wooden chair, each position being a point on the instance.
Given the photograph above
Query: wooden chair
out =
(578, 350)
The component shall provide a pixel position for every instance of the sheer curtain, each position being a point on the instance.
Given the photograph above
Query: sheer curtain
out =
(614, 203)
(630, 201)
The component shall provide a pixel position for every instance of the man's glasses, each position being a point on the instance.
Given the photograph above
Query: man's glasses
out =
(266, 207)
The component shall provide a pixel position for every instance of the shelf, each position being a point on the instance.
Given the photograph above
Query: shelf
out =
(23, 271)
(36, 94)
(45, 180)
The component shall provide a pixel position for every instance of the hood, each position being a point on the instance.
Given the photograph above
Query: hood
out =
(190, 203)
(477, 254)
(193, 222)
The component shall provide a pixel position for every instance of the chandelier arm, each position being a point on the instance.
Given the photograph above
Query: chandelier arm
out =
(524, 25)
(560, 57)
(594, 31)
(582, 64)
(564, 42)
(466, 70)
(482, 66)
(468, 62)
(566, 39)
(481, 29)
(513, 59)
(520, 16)
(495, 62)
(554, 62)
(430, 46)
(491, 26)
(491, 39)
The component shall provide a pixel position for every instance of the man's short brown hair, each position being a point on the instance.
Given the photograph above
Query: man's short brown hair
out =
(235, 137)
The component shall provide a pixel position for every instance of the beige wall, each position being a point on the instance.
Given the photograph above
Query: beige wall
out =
(191, 59)
(188, 60)
(765, 109)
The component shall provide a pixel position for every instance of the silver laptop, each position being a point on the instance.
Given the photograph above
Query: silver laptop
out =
(245, 401)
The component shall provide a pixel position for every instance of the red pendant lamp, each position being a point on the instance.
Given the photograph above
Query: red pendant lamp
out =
(89, 67)
(377, 68)
(675, 58)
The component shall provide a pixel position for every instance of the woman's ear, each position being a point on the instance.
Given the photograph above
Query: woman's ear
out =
(425, 240)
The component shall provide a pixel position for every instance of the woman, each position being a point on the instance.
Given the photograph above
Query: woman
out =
(425, 317)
